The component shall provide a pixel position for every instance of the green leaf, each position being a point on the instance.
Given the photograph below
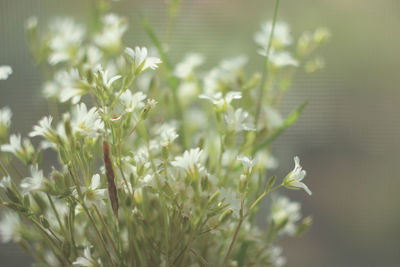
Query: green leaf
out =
(292, 118)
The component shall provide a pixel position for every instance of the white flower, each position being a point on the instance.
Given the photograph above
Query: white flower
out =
(66, 86)
(5, 117)
(167, 134)
(14, 146)
(34, 182)
(86, 122)
(87, 259)
(93, 193)
(8, 226)
(238, 120)
(5, 71)
(189, 63)
(189, 161)
(24, 151)
(280, 38)
(141, 62)
(132, 102)
(103, 75)
(282, 209)
(65, 40)
(222, 102)
(294, 179)
(110, 37)
(225, 73)
(280, 58)
(5, 182)
(247, 163)
(44, 128)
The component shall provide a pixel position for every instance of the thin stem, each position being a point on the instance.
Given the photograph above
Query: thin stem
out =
(261, 89)
(105, 228)
(236, 233)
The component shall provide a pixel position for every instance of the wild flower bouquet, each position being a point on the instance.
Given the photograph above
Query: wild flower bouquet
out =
(152, 164)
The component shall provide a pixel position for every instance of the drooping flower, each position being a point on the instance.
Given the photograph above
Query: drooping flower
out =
(5, 72)
(294, 179)
(34, 182)
(141, 62)
(189, 161)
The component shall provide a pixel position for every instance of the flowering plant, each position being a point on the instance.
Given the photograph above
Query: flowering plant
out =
(154, 164)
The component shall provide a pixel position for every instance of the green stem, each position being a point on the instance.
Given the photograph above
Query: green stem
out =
(261, 89)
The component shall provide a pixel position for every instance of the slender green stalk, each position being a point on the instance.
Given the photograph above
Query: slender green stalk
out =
(261, 88)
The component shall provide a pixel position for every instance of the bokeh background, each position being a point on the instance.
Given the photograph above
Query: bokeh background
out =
(348, 138)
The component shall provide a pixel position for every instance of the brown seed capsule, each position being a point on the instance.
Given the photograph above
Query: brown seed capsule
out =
(112, 190)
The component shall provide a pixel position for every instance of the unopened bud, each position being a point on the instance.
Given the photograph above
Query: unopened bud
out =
(214, 197)
(44, 222)
(225, 216)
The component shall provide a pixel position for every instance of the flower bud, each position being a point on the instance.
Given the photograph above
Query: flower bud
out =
(44, 222)
(138, 195)
(225, 216)
(214, 197)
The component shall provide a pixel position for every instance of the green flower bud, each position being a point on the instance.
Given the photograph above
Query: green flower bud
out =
(225, 216)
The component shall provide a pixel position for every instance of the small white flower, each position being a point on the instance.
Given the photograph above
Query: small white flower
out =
(87, 260)
(132, 102)
(15, 146)
(5, 117)
(141, 61)
(189, 161)
(282, 210)
(294, 179)
(247, 163)
(104, 77)
(5, 71)
(66, 86)
(110, 37)
(280, 58)
(167, 134)
(93, 193)
(189, 63)
(34, 182)
(5, 182)
(8, 226)
(281, 37)
(276, 256)
(238, 120)
(66, 38)
(222, 102)
(86, 122)
(44, 128)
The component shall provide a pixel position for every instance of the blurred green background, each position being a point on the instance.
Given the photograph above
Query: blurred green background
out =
(348, 138)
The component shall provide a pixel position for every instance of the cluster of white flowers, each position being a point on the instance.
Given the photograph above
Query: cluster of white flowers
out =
(132, 184)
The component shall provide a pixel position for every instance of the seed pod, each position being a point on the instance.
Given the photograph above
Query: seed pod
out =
(112, 190)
